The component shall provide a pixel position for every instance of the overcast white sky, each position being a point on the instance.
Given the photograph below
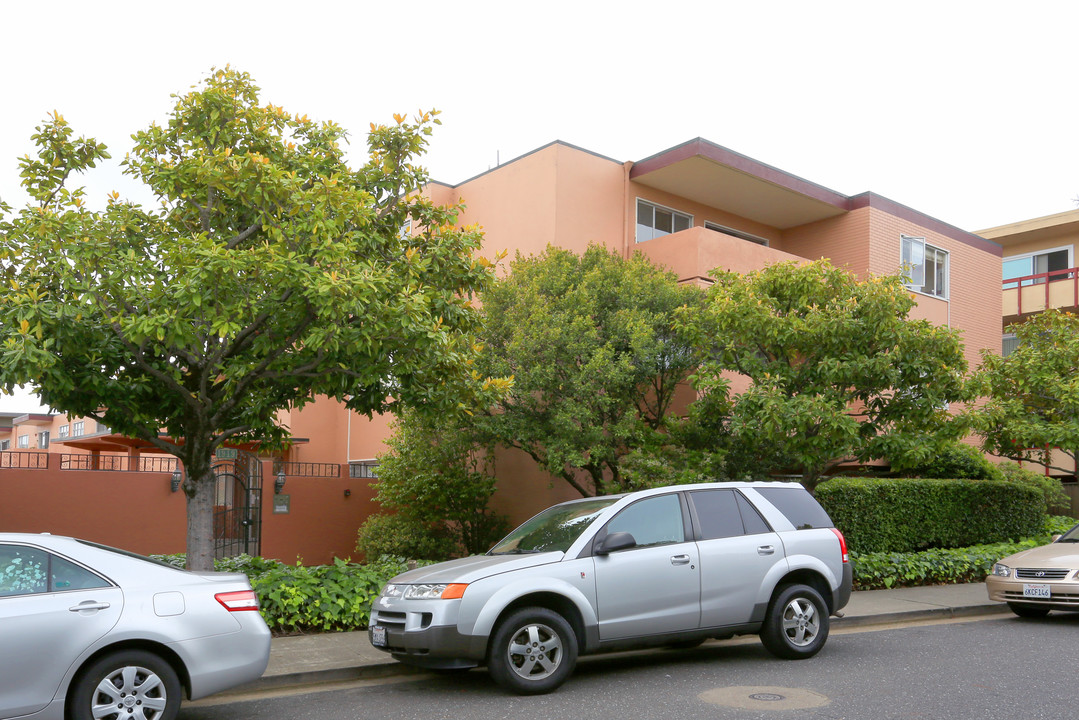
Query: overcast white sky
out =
(963, 110)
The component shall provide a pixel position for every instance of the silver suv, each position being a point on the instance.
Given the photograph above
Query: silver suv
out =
(670, 566)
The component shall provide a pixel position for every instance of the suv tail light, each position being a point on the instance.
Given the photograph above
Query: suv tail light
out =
(842, 544)
(239, 600)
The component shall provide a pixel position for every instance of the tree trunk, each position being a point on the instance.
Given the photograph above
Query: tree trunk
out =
(199, 487)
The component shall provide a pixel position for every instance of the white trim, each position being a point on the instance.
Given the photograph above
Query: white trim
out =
(655, 206)
(735, 232)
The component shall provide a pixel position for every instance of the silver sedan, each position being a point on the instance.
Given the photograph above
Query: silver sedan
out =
(88, 631)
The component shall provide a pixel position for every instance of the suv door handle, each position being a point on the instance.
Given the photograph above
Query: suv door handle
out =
(680, 560)
(766, 550)
(90, 605)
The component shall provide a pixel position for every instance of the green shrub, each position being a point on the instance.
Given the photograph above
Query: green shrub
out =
(956, 461)
(398, 535)
(1056, 500)
(909, 514)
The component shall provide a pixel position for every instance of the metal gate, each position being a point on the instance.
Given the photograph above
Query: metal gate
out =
(237, 505)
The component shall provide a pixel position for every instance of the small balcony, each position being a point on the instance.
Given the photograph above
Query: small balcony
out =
(694, 253)
(1036, 293)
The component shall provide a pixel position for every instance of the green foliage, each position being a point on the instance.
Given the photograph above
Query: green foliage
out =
(954, 461)
(877, 570)
(595, 358)
(318, 598)
(907, 514)
(270, 273)
(1056, 500)
(1032, 396)
(383, 534)
(839, 371)
(433, 477)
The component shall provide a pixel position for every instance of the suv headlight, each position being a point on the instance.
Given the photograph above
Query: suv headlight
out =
(443, 591)
(1002, 570)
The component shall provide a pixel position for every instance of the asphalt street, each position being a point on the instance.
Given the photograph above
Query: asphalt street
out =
(995, 667)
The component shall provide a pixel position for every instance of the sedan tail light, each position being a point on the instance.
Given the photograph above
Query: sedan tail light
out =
(238, 600)
(842, 544)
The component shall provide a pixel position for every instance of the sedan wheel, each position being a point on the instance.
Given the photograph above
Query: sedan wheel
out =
(131, 684)
(797, 623)
(533, 651)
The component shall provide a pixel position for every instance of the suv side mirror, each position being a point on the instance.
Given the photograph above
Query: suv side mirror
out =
(615, 541)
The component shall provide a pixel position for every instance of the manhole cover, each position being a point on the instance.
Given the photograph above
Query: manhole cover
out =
(764, 698)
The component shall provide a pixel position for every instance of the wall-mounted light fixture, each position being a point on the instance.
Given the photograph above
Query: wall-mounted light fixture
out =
(279, 483)
(348, 493)
(174, 482)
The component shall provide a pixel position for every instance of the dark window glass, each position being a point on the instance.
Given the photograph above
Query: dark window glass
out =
(717, 511)
(801, 509)
(754, 523)
(653, 521)
(66, 575)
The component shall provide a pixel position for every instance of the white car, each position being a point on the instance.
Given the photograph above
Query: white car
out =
(88, 631)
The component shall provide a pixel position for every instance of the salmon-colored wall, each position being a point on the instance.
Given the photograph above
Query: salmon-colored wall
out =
(842, 239)
(134, 511)
(694, 253)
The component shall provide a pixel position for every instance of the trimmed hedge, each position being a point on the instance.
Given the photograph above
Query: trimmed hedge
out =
(910, 514)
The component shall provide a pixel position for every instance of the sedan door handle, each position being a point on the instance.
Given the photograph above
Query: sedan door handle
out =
(90, 605)
(680, 560)
(766, 550)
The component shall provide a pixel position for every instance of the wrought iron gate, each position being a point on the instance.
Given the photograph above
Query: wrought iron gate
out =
(237, 505)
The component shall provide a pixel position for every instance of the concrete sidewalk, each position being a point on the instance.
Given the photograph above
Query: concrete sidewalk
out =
(334, 657)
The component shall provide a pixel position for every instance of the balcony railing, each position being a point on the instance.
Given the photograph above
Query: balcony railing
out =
(23, 460)
(1035, 293)
(119, 463)
(307, 469)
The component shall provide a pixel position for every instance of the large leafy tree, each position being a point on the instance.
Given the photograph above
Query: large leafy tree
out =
(595, 359)
(837, 369)
(1031, 403)
(270, 272)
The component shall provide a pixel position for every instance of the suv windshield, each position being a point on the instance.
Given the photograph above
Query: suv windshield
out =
(553, 529)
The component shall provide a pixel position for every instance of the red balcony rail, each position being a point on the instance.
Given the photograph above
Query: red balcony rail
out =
(24, 460)
(1054, 276)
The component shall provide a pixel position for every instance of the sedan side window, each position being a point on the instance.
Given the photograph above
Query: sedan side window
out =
(652, 521)
(23, 570)
(66, 575)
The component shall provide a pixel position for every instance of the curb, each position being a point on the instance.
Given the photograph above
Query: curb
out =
(934, 613)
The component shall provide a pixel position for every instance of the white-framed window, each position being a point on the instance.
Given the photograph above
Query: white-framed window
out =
(1036, 263)
(655, 221)
(363, 469)
(62, 431)
(5, 445)
(736, 233)
(24, 441)
(1008, 344)
(43, 440)
(926, 266)
(103, 428)
(77, 429)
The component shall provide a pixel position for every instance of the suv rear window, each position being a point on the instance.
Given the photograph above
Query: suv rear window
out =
(804, 512)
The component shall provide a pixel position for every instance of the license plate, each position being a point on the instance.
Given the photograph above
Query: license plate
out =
(1036, 591)
(378, 636)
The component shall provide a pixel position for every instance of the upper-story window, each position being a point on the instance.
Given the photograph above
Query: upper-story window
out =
(655, 221)
(926, 266)
(63, 431)
(1043, 261)
(365, 469)
(5, 445)
(77, 429)
(24, 441)
(43, 440)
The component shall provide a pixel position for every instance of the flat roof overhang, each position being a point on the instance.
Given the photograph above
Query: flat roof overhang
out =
(718, 177)
(1040, 228)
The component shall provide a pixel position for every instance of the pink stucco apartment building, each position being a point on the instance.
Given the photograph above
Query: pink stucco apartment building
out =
(690, 208)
